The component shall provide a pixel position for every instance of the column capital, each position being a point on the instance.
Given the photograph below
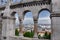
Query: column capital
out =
(6, 17)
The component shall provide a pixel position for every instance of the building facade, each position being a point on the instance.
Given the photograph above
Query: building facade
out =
(9, 8)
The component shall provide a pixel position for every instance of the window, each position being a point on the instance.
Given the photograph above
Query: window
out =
(28, 21)
(44, 23)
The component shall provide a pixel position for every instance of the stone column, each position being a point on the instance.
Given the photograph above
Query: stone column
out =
(4, 29)
(7, 28)
(56, 28)
(35, 28)
(12, 27)
(21, 26)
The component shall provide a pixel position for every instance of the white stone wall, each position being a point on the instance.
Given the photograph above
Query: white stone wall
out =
(56, 6)
(34, 9)
(56, 28)
(7, 28)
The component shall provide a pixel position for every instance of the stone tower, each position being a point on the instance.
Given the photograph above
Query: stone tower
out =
(10, 7)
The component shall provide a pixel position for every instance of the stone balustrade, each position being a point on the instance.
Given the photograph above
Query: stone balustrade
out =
(24, 38)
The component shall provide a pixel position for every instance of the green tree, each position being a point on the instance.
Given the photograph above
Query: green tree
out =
(29, 34)
(47, 36)
(16, 32)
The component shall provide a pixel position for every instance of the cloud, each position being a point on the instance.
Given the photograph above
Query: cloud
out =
(17, 22)
(28, 21)
(45, 20)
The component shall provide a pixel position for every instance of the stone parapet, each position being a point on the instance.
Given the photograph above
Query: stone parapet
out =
(25, 38)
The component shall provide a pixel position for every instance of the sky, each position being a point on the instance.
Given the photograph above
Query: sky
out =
(44, 14)
(44, 18)
(4, 1)
(28, 15)
(17, 19)
(16, 1)
(28, 18)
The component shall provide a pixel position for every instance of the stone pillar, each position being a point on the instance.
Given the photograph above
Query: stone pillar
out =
(56, 28)
(7, 28)
(35, 28)
(21, 26)
(12, 27)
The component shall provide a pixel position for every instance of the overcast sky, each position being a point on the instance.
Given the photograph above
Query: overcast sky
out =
(17, 19)
(28, 18)
(44, 18)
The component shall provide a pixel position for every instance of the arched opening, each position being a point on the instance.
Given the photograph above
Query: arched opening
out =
(16, 16)
(28, 21)
(44, 24)
(17, 20)
(25, 12)
(16, 23)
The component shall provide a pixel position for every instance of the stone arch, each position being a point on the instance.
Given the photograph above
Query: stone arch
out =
(25, 12)
(28, 20)
(13, 13)
(45, 9)
(16, 21)
(42, 10)
(15, 16)
(44, 21)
